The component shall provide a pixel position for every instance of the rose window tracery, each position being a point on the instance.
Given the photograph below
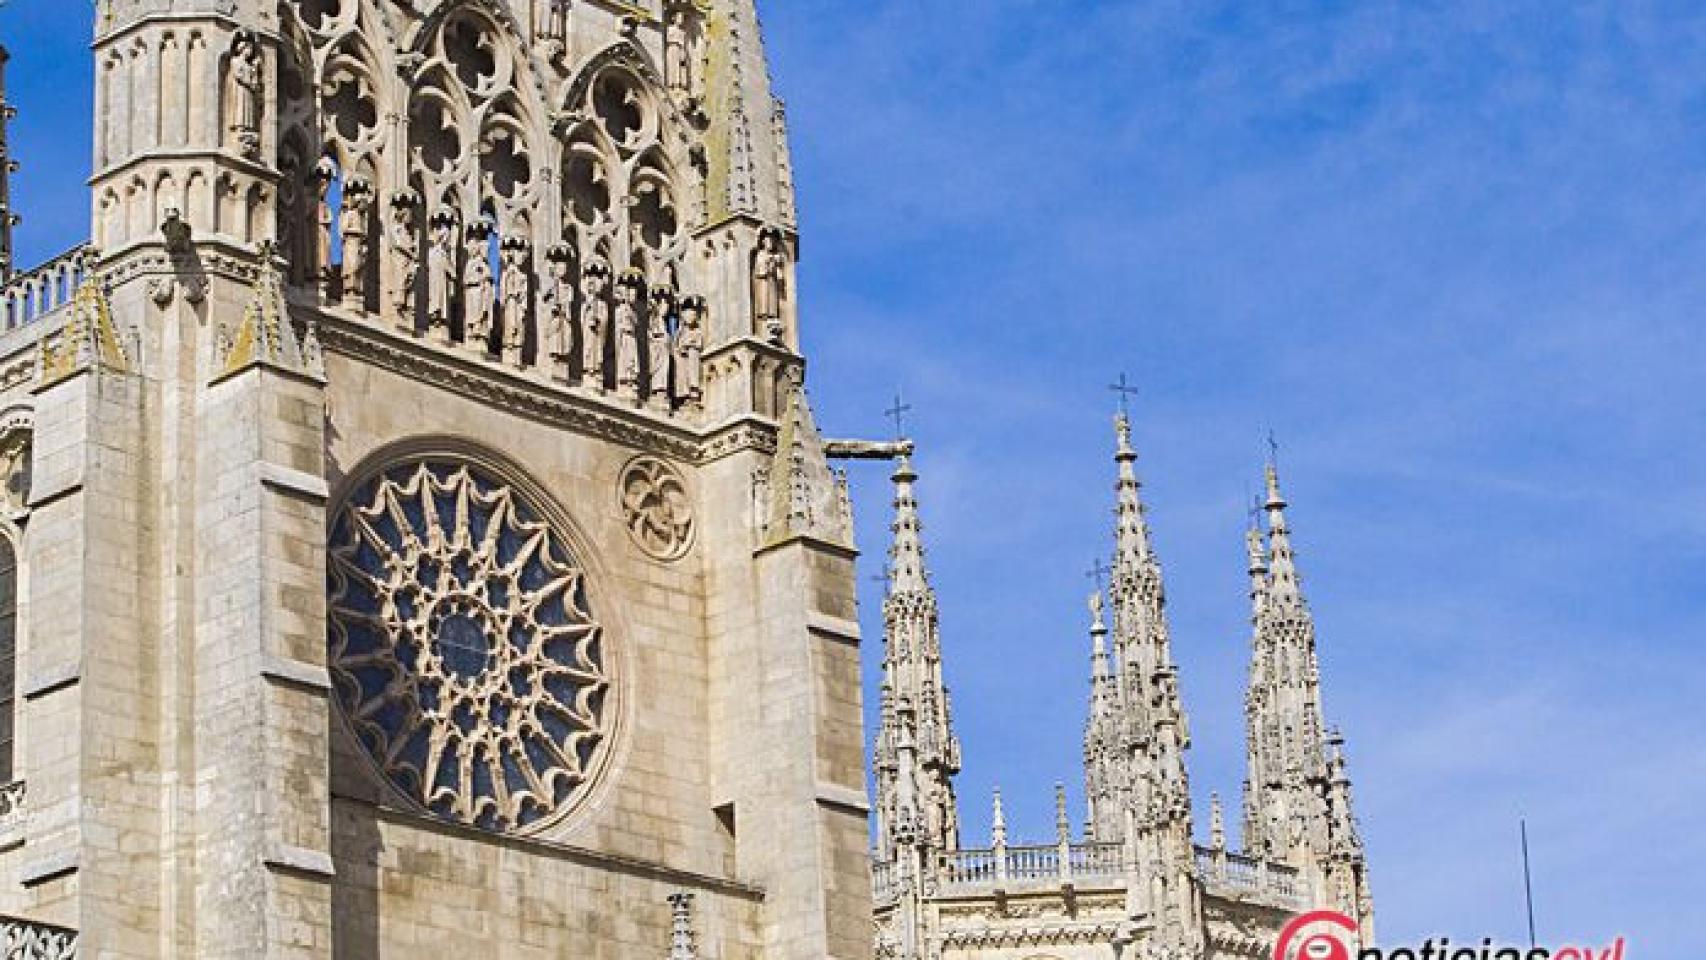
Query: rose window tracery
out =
(463, 648)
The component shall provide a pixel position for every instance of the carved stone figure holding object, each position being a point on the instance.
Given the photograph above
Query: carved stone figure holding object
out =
(658, 346)
(595, 317)
(325, 174)
(677, 57)
(246, 93)
(690, 352)
(629, 289)
(405, 257)
(516, 289)
(441, 274)
(479, 295)
(769, 280)
(556, 311)
(352, 222)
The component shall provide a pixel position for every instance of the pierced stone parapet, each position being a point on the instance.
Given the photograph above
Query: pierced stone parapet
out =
(26, 940)
(33, 294)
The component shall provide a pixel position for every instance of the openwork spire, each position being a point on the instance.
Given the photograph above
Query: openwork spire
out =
(906, 557)
(1297, 798)
(1133, 547)
(1140, 792)
(918, 752)
(1284, 586)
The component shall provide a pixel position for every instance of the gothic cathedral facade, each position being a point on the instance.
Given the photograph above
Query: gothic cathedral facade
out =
(415, 539)
(422, 540)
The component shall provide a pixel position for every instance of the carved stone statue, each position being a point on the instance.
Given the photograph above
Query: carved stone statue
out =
(556, 312)
(479, 296)
(353, 224)
(769, 279)
(595, 316)
(677, 57)
(246, 93)
(690, 352)
(658, 346)
(325, 173)
(628, 292)
(516, 290)
(441, 274)
(405, 256)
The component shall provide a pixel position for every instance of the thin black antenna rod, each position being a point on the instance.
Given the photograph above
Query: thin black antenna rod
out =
(1527, 883)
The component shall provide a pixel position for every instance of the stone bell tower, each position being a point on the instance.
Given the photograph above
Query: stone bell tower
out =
(429, 540)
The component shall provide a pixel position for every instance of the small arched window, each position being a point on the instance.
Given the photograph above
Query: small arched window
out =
(8, 656)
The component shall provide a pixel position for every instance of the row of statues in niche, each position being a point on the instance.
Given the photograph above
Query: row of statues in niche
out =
(583, 323)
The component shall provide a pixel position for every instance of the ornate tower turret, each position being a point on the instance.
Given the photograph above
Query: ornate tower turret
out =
(1155, 802)
(1296, 810)
(918, 752)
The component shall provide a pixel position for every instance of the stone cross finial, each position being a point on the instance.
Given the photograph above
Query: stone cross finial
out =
(898, 413)
(1099, 572)
(1125, 391)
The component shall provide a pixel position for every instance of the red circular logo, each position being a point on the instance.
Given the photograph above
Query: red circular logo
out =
(1317, 945)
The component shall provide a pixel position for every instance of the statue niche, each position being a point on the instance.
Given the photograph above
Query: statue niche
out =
(770, 286)
(246, 93)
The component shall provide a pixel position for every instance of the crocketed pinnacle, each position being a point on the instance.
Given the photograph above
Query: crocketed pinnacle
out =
(1284, 588)
(1258, 553)
(917, 708)
(906, 556)
(747, 165)
(1103, 693)
(1132, 543)
(804, 499)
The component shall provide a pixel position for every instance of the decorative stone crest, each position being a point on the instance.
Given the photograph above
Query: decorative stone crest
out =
(462, 646)
(657, 508)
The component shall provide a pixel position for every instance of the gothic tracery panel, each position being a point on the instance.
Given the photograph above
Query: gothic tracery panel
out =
(463, 647)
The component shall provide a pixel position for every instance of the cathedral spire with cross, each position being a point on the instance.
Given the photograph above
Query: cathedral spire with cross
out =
(1297, 799)
(918, 754)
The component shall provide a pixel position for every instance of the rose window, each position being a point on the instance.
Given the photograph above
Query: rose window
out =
(462, 648)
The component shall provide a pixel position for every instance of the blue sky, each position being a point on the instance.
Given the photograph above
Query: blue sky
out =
(1453, 253)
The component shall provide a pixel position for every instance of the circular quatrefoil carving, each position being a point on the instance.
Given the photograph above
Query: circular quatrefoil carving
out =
(657, 509)
(462, 645)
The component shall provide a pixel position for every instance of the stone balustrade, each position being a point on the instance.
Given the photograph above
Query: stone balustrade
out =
(964, 871)
(1025, 865)
(27, 940)
(33, 294)
(1225, 871)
